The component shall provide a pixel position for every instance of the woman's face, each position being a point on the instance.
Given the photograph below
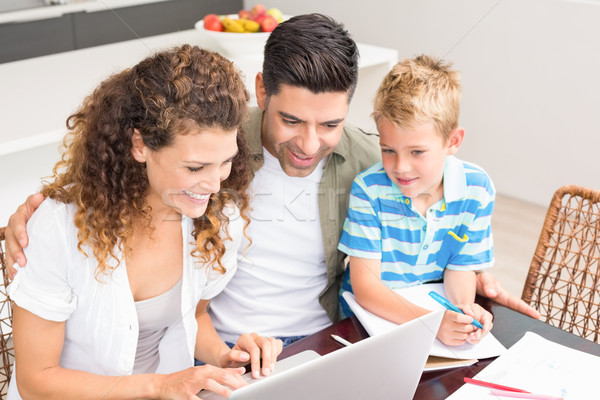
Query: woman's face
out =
(184, 175)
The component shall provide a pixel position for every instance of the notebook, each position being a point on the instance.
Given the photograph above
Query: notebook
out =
(488, 347)
(385, 366)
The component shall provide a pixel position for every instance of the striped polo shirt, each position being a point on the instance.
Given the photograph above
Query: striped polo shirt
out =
(455, 232)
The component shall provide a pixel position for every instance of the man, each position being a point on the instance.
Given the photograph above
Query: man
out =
(305, 159)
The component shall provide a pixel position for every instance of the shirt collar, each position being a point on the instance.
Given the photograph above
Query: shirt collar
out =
(455, 182)
(253, 131)
(343, 148)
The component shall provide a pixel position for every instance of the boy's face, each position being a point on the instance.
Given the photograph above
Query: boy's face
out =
(301, 128)
(414, 158)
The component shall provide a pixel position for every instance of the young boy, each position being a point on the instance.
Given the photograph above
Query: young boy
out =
(420, 214)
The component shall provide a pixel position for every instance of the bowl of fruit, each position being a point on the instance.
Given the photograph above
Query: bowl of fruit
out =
(241, 34)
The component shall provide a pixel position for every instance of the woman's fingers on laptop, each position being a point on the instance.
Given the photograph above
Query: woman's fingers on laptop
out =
(187, 383)
(276, 348)
(223, 380)
(262, 350)
(247, 343)
(234, 358)
(269, 350)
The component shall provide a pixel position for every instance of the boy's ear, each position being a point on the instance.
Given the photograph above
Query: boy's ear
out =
(138, 147)
(455, 140)
(261, 94)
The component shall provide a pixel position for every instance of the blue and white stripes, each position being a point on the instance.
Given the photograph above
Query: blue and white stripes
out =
(454, 233)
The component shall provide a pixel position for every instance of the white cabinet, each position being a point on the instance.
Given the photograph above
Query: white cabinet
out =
(38, 95)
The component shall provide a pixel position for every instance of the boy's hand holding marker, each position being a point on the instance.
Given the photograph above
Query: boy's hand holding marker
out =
(474, 310)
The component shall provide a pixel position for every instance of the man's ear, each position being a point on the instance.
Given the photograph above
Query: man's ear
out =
(455, 140)
(138, 147)
(261, 94)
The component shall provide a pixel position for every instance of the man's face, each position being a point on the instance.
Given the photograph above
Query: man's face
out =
(301, 128)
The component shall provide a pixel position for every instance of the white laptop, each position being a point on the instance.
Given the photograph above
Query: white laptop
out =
(385, 366)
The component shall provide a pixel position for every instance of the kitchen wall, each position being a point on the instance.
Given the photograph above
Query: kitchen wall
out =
(530, 78)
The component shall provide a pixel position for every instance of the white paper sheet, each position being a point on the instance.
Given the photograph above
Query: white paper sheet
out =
(539, 366)
(419, 295)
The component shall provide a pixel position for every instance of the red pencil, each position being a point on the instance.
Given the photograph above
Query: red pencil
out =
(493, 385)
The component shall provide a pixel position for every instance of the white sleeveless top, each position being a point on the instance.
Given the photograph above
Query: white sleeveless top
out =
(155, 315)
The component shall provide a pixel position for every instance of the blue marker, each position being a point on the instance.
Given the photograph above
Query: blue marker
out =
(443, 301)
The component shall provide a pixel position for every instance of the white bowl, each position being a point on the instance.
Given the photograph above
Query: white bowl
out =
(232, 44)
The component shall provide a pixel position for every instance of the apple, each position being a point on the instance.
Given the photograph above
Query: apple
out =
(244, 14)
(268, 23)
(212, 22)
(259, 19)
(275, 13)
(257, 11)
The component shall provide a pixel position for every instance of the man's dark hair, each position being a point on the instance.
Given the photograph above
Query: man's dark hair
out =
(311, 51)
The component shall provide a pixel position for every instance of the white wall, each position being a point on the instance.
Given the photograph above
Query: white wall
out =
(531, 78)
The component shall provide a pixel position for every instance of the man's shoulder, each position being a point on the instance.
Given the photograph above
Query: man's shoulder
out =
(355, 134)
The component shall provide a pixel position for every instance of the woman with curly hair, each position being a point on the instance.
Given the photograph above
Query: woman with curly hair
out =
(140, 228)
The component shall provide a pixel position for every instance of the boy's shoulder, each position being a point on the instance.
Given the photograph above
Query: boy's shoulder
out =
(375, 182)
(476, 175)
(374, 174)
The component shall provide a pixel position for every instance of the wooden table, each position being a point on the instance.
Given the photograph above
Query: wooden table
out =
(509, 327)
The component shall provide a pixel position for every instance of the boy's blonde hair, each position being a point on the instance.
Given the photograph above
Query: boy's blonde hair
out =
(420, 90)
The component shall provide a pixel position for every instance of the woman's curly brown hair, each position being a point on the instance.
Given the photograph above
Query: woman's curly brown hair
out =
(159, 97)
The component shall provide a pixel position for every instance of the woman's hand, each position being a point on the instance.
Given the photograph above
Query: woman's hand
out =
(258, 347)
(184, 385)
